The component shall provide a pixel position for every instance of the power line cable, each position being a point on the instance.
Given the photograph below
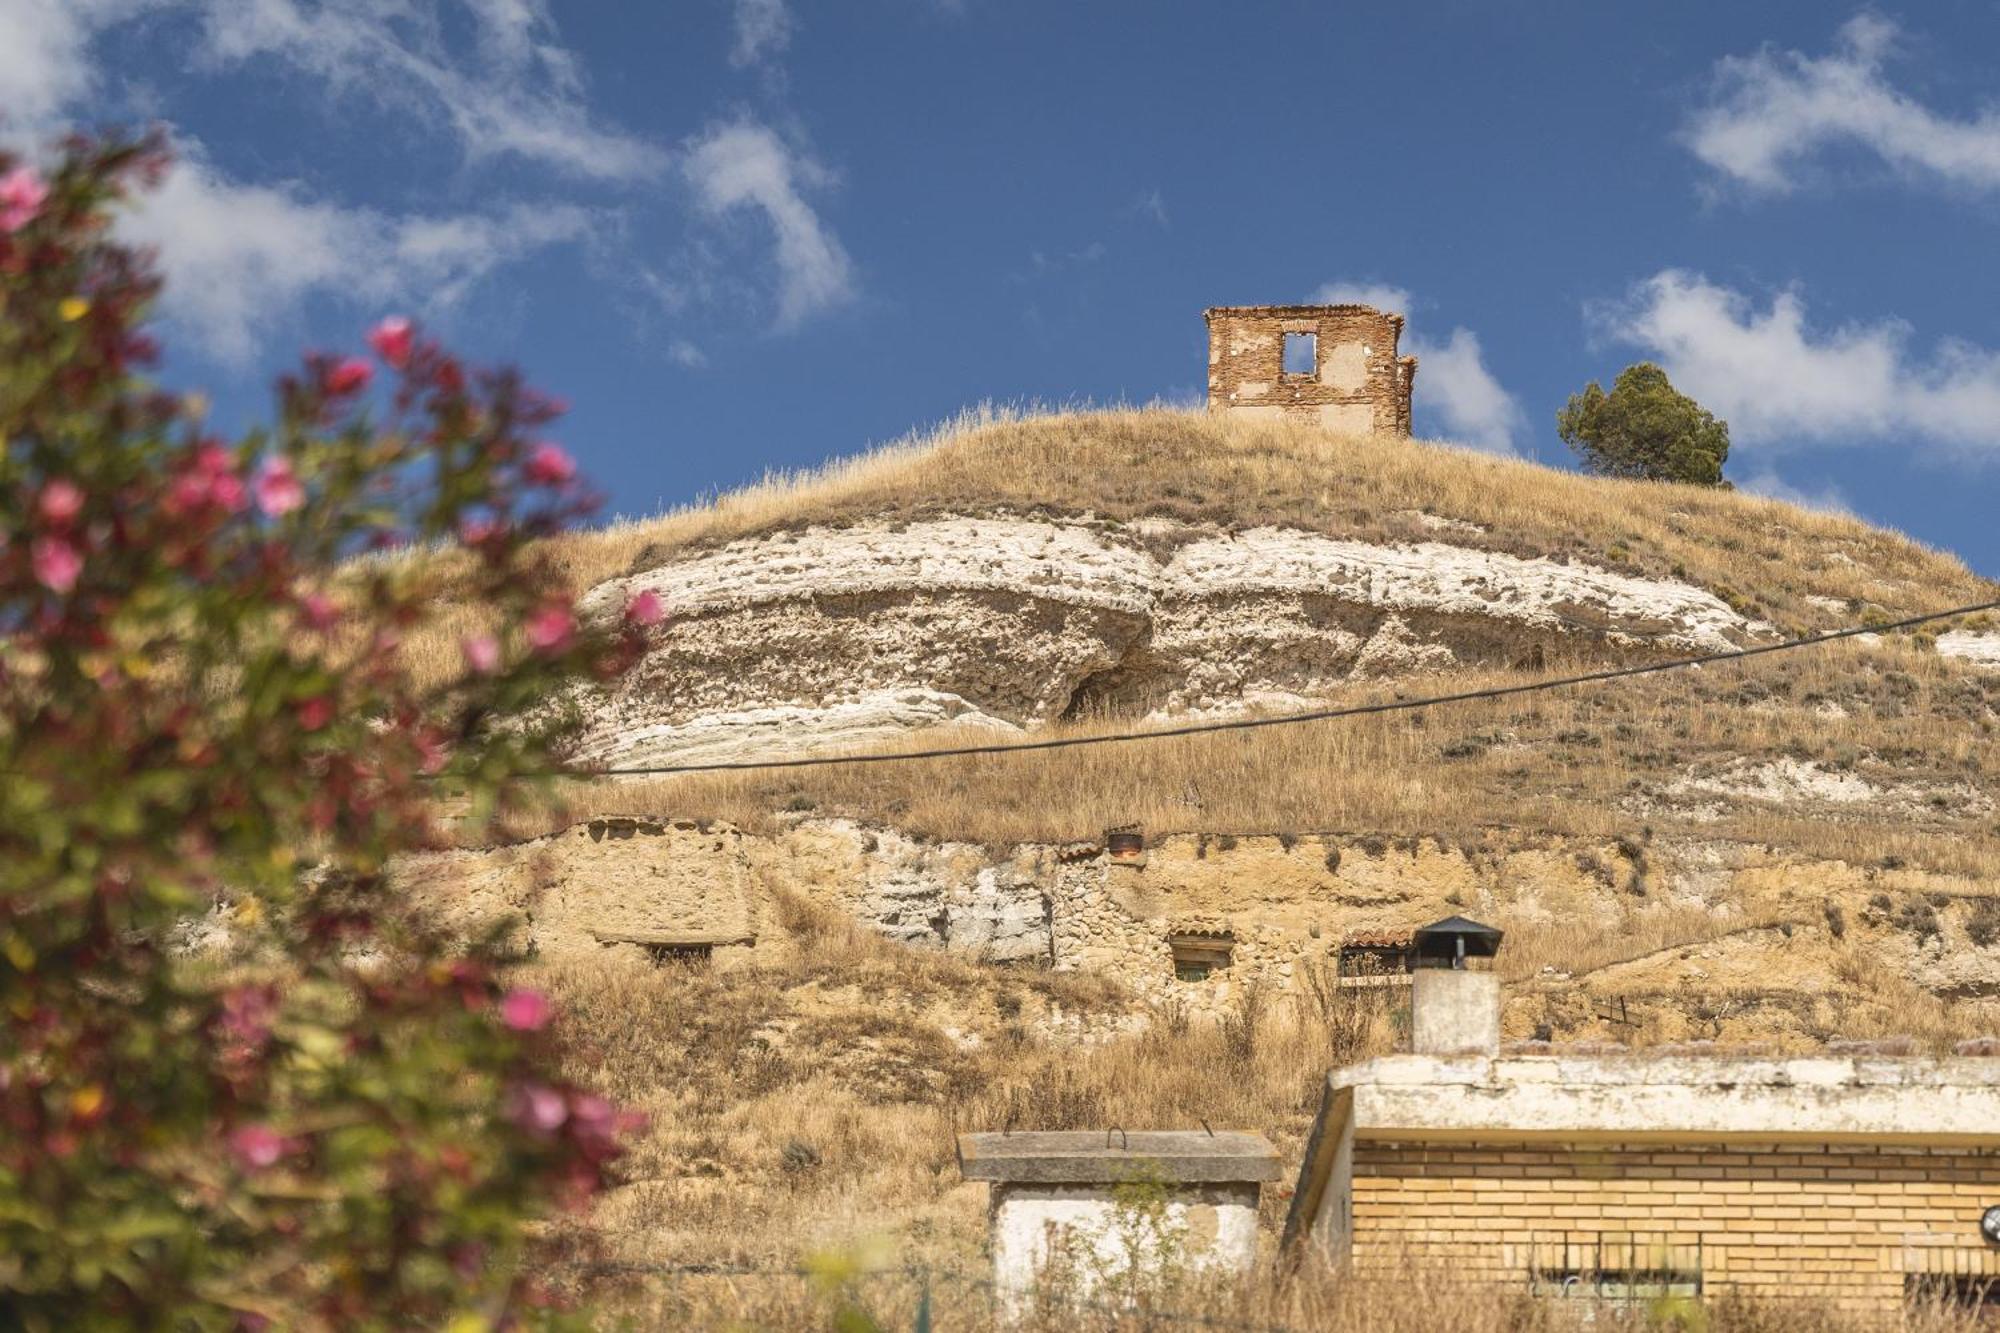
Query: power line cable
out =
(1282, 720)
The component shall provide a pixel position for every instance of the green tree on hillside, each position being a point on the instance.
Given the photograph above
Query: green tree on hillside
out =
(1645, 428)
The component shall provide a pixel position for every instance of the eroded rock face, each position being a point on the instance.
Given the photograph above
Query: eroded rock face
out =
(1689, 940)
(830, 636)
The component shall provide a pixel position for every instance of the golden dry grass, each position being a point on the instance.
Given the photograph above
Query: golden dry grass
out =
(1764, 556)
(1592, 762)
(1198, 467)
(803, 1116)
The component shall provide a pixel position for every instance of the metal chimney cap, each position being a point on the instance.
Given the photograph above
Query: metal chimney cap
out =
(1456, 938)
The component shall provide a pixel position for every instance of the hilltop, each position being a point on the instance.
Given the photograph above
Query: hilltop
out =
(1787, 852)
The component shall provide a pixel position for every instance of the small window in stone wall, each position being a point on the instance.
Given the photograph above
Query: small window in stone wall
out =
(1374, 960)
(1302, 354)
(1196, 956)
(682, 955)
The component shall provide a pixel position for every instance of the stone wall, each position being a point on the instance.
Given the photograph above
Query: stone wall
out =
(1358, 384)
(1845, 1223)
(606, 883)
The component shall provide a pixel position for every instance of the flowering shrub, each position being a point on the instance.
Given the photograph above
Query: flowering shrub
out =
(205, 710)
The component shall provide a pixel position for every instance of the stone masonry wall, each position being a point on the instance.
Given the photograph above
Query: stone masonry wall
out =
(1841, 1224)
(1358, 385)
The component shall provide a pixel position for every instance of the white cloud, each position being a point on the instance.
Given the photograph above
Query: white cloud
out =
(490, 76)
(45, 55)
(1152, 204)
(520, 94)
(1456, 398)
(238, 258)
(687, 355)
(1826, 497)
(739, 165)
(1378, 294)
(1455, 388)
(1779, 380)
(1774, 110)
(513, 91)
(763, 28)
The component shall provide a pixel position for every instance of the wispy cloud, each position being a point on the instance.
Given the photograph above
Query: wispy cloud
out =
(1455, 389)
(763, 31)
(491, 77)
(743, 165)
(1825, 497)
(1457, 398)
(517, 92)
(1773, 111)
(1779, 380)
(1153, 206)
(239, 258)
(1381, 295)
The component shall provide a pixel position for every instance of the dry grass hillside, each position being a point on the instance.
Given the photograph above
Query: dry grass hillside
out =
(1196, 467)
(1798, 569)
(1772, 848)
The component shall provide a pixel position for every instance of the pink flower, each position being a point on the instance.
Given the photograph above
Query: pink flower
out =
(645, 609)
(225, 489)
(479, 531)
(534, 1107)
(210, 479)
(22, 194)
(247, 1013)
(318, 611)
(549, 465)
(526, 1010)
(391, 341)
(278, 489)
(550, 626)
(432, 751)
(61, 501)
(347, 376)
(56, 562)
(482, 653)
(315, 712)
(256, 1146)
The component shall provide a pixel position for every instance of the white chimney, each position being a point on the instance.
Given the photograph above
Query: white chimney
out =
(1455, 1008)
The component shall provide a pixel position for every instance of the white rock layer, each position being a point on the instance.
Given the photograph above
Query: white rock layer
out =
(834, 636)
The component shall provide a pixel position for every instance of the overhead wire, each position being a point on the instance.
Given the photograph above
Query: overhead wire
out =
(1278, 720)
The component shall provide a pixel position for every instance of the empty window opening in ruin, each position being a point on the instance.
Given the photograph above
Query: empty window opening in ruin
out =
(1302, 354)
(1196, 956)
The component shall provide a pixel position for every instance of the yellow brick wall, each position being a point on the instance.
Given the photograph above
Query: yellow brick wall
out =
(1841, 1223)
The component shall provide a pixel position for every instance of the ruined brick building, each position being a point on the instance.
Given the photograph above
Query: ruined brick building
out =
(1334, 364)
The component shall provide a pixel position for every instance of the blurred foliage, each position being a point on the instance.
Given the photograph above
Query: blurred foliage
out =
(240, 1087)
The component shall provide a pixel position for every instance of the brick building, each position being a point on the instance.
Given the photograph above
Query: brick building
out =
(1861, 1182)
(1334, 364)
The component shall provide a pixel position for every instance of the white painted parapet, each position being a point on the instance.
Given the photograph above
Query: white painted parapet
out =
(1086, 1209)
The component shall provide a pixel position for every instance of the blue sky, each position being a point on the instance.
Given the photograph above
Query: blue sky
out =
(752, 234)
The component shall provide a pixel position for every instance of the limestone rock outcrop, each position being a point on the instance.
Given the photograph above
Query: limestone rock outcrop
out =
(829, 636)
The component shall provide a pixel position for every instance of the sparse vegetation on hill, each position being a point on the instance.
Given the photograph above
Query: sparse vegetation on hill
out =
(1796, 568)
(803, 1107)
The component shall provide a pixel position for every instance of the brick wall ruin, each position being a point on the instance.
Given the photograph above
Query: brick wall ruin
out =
(1356, 383)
